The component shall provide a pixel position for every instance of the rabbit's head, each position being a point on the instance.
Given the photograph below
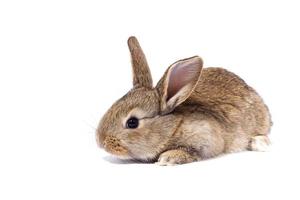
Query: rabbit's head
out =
(140, 124)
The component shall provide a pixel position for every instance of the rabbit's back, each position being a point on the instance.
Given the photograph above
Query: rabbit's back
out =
(227, 98)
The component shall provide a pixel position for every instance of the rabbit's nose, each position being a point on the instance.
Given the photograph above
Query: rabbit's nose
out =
(100, 137)
(113, 145)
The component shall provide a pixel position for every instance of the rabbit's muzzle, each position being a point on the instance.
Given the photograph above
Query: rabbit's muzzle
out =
(113, 145)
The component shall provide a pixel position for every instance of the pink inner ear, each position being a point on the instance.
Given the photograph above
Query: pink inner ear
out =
(183, 73)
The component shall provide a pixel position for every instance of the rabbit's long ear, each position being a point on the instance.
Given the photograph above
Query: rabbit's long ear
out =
(141, 72)
(178, 82)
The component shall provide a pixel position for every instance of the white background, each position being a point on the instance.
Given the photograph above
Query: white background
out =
(63, 63)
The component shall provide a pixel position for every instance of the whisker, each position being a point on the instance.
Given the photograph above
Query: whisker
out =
(88, 124)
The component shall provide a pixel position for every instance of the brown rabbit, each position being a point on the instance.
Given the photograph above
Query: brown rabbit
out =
(191, 114)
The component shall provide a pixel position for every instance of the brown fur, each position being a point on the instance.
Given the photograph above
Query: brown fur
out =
(191, 114)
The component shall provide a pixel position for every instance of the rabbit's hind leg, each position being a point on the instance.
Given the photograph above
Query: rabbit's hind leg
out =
(259, 143)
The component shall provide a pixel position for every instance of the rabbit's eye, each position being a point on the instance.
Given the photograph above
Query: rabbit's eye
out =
(132, 122)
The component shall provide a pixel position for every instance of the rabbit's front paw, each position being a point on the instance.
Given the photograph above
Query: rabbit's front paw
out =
(175, 157)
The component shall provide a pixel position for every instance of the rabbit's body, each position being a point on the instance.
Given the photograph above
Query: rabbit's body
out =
(223, 114)
(191, 114)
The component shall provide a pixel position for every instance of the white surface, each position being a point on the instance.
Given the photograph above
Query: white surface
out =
(63, 63)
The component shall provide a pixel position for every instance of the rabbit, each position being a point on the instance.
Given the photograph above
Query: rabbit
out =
(192, 114)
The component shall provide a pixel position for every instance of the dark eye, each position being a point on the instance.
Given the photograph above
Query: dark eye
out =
(132, 122)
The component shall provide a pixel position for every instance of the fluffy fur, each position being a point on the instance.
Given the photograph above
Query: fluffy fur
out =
(191, 114)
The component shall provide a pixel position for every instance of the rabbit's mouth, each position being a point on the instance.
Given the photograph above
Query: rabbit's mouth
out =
(113, 145)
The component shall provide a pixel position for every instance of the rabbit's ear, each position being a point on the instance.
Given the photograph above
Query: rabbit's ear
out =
(141, 72)
(178, 82)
